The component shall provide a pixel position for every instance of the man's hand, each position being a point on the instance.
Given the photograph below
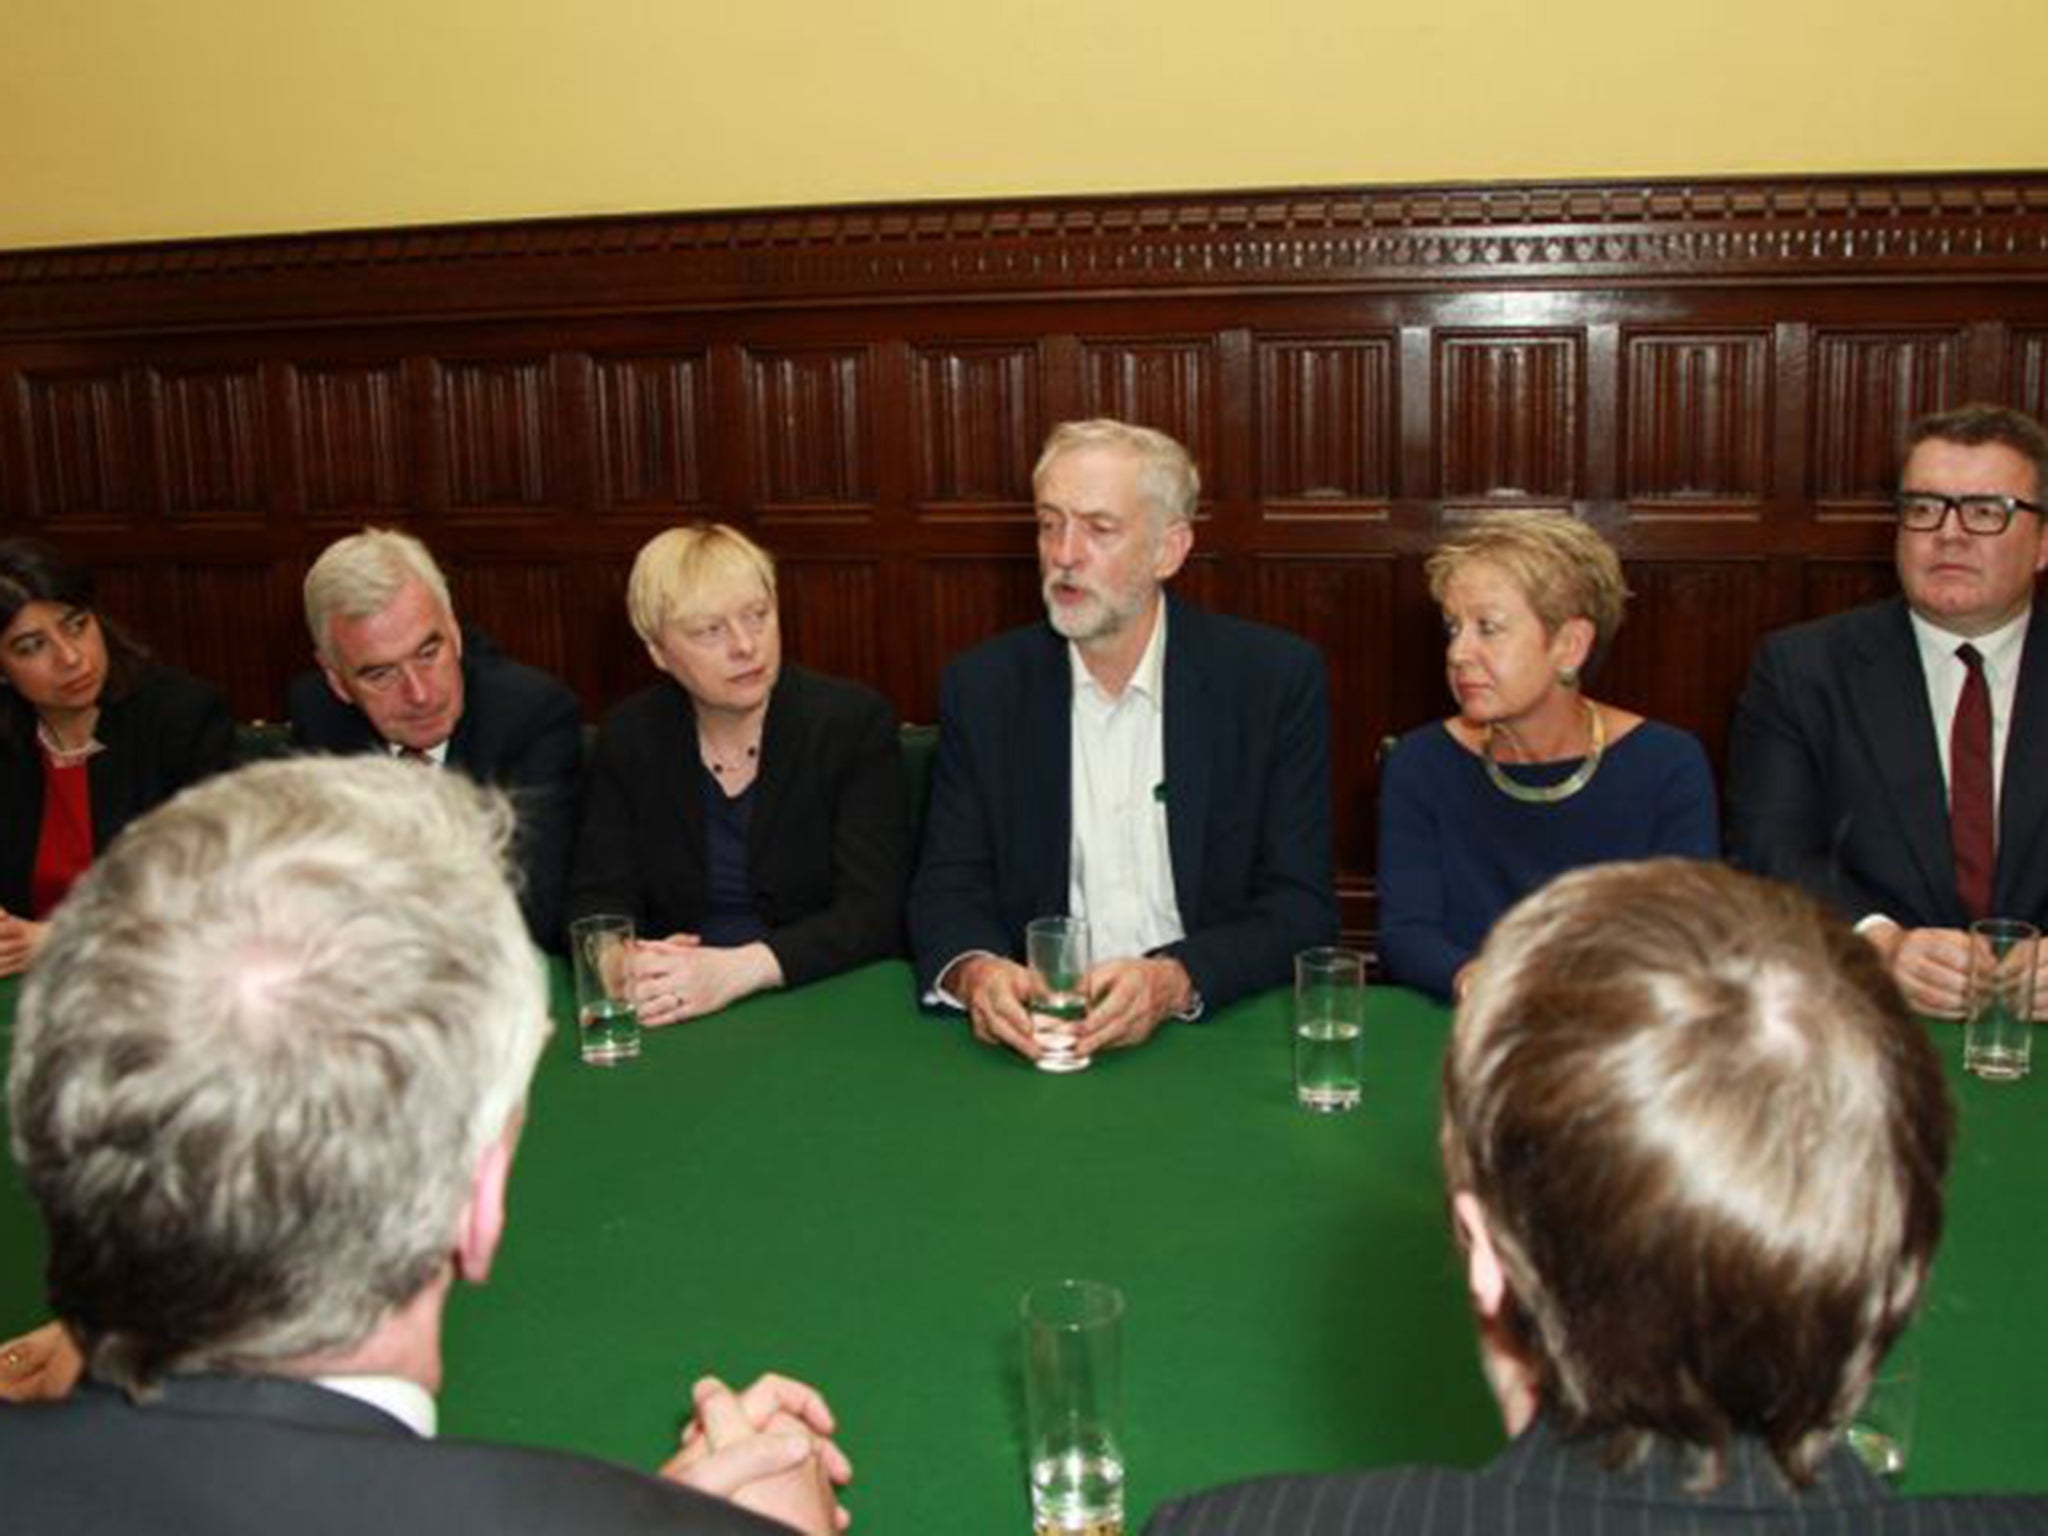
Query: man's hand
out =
(20, 938)
(1128, 999)
(680, 978)
(767, 1449)
(1931, 966)
(39, 1366)
(996, 994)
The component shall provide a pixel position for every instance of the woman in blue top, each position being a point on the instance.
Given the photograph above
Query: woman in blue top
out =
(1530, 777)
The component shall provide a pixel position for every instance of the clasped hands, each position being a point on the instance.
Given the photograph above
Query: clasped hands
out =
(680, 977)
(1127, 1001)
(1932, 967)
(767, 1449)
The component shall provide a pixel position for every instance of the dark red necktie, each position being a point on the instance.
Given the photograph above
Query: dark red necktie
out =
(1969, 787)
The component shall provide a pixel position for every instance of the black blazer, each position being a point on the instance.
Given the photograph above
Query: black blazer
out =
(1835, 783)
(1540, 1485)
(259, 1456)
(167, 731)
(521, 731)
(828, 847)
(1247, 741)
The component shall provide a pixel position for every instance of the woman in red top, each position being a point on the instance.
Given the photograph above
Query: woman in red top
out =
(92, 734)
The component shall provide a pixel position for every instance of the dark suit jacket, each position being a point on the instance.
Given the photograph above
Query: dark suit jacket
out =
(1247, 740)
(257, 1456)
(521, 731)
(1835, 773)
(827, 849)
(167, 731)
(1540, 1485)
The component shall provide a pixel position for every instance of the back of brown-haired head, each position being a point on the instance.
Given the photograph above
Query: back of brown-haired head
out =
(1709, 1141)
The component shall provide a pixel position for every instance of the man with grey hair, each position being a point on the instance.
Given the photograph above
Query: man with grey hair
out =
(1161, 771)
(265, 1087)
(398, 675)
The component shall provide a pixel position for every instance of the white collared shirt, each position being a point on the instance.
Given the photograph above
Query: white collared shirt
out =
(1943, 673)
(1120, 861)
(406, 1401)
(437, 755)
(2001, 650)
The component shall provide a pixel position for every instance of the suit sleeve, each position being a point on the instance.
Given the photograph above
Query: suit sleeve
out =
(1781, 820)
(954, 904)
(1291, 900)
(870, 858)
(1415, 940)
(604, 876)
(198, 738)
(544, 776)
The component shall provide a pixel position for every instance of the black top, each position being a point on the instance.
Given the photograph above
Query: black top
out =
(168, 730)
(731, 919)
(827, 849)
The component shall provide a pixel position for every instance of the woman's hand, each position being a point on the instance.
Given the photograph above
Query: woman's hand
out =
(679, 977)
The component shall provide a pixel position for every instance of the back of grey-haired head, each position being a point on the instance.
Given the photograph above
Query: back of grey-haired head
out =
(1167, 477)
(267, 1041)
(359, 575)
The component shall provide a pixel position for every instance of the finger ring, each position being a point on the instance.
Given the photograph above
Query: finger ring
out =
(13, 1358)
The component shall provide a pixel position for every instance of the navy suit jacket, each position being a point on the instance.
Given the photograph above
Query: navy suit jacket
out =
(521, 731)
(1247, 745)
(1835, 773)
(1541, 1484)
(168, 730)
(828, 849)
(257, 1456)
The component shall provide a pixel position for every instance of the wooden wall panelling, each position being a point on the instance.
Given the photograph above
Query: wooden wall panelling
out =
(976, 423)
(809, 431)
(1509, 411)
(521, 604)
(211, 443)
(1696, 422)
(499, 436)
(2027, 371)
(1684, 646)
(1327, 412)
(831, 614)
(1867, 385)
(354, 438)
(84, 468)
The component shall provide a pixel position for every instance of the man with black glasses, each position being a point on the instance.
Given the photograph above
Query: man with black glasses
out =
(1887, 759)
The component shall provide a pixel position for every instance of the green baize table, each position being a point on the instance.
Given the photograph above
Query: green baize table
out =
(830, 1183)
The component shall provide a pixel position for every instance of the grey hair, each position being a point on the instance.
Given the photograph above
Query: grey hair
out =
(267, 1042)
(1167, 477)
(359, 575)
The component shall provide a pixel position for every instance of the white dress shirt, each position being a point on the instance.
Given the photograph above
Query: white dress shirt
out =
(1120, 862)
(406, 1401)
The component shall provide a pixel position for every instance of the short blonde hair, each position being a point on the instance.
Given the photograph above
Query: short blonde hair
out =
(1167, 477)
(359, 575)
(677, 570)
(1561, 565)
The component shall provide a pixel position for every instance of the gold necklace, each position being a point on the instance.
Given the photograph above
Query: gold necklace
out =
(1550, 794)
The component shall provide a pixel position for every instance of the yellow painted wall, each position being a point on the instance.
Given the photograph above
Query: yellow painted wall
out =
(130, 119)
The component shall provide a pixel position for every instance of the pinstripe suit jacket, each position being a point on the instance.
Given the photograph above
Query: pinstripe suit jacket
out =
(1542, 1486)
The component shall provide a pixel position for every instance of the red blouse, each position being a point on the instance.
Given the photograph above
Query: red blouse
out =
(64, 846)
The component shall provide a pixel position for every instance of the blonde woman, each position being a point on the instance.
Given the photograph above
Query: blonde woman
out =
(1530, 777)
(749, 815)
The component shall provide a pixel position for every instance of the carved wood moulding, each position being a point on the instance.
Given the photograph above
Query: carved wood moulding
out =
(1974, 227)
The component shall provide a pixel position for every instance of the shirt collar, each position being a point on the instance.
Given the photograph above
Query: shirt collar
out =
(437, 755)
(406, 1401)
(2000, 648)
(1150, 670)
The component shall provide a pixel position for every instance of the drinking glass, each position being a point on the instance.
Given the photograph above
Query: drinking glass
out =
(1998, 1023)
(1073, 1407)
(607, 1024)
(1056, 950)
(1329, 1029)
